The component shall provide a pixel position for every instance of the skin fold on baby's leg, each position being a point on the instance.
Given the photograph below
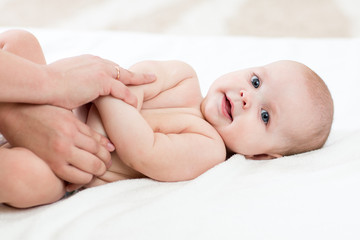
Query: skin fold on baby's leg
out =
(26, 180)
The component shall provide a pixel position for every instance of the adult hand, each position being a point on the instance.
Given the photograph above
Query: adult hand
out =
(72, 149)
(79, 80)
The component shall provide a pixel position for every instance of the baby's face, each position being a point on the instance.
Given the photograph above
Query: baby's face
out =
(255, 109)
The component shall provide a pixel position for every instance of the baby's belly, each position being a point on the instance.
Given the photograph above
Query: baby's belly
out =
(119, 171)
(81, 112)
(160, 120)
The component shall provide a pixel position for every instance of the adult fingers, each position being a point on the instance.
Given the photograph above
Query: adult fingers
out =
(127, 77)
(72, 187)
(95, 182)
(120, 91)
(86, 130)
(87, 162)
(71, 174)
(90, 145)
(130, 78)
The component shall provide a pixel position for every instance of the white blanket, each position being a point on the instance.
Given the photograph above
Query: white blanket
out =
(308, 196)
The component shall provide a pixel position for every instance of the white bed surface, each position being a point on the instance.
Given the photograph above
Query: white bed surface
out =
(309, 196)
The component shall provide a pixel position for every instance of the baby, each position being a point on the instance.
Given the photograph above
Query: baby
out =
(175, 134)
(266, 112)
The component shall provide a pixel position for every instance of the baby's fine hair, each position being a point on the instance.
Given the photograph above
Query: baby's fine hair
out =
(319, 130)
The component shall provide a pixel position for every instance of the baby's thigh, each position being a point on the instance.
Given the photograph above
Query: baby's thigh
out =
(26, 180)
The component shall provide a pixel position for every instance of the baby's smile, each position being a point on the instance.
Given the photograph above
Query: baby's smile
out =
(227, 107)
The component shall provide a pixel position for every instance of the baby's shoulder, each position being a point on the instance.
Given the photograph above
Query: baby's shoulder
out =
(172, 67)
(177, 84)
(169, 73)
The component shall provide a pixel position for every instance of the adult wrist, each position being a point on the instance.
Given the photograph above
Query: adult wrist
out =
(49, 89)
(7, 116)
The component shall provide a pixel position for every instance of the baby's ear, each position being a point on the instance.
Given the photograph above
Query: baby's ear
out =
(264, 156)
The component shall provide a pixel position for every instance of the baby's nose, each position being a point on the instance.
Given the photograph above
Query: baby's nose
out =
(244, 99)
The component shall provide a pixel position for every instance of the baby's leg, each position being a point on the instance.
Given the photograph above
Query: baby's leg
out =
(23, 44)
(26, 180)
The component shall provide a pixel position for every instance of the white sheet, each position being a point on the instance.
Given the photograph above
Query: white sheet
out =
(309, 196)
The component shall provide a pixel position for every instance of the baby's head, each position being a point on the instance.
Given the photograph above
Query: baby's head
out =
(282, 108)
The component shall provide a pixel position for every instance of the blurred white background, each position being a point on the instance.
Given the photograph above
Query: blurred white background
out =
(262, 18)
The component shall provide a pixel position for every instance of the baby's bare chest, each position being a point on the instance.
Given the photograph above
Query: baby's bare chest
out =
(172, 120)
(163, 120)
(174, 110)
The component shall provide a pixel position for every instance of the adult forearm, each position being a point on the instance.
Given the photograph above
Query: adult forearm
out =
(14, 124)
(22, 80)
(4, 116)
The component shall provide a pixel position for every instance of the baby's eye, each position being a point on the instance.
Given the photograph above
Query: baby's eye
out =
(265, 116)
(255, 81)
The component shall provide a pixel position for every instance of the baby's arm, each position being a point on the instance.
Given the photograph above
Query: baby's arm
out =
(164, 157)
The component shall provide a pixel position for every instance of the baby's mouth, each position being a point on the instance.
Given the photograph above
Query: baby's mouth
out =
(227, 106)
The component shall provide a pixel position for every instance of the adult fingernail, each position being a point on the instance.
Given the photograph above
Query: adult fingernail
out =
(151, 76)
(68, 189)
(109, 164)
(110, 147)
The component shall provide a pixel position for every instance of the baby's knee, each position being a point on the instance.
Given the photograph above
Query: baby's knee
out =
(17, 38)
